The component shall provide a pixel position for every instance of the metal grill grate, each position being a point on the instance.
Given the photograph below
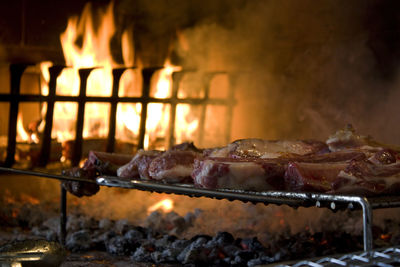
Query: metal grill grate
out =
(293, 199)
(383, 257)
(14, 98)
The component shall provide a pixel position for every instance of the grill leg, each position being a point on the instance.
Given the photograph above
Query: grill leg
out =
(367, 224)
(63, 215)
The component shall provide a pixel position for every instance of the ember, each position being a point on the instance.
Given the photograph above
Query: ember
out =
(156, 242)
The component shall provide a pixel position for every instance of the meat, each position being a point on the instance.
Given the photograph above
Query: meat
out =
(312, 177)
(347, 164)
(97, 163)
(348, 139)
(367, 178)
(139, 165)
(363, 171)
(330, 157)
(379, 174)
(258, 148)
(244, 174)
(80, 189)
(173, 166)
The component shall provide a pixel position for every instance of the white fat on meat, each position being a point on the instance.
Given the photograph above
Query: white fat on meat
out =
(174, 175)
(259, 148)
(173, 166)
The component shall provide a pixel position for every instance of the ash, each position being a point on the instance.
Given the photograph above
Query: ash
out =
(161, 239)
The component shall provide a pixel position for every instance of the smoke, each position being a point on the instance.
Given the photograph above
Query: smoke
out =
(305, 68)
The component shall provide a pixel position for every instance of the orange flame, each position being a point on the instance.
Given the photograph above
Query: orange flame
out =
(22, 133)
(95, 52)
(166, 205)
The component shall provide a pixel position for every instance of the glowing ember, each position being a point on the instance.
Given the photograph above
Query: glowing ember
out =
(165, 205)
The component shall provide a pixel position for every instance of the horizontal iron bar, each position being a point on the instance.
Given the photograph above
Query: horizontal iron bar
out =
(108, 99)
(272, 197)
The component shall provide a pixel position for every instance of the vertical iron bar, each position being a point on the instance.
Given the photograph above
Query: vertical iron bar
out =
(117, 73)
(77, 152)
(176, 80)
(46, 139)
(206, 83)
(146, 74)
(16, 71)
(63, 215)
(230, 105)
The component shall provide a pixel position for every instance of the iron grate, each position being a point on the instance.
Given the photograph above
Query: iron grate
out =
(387, 257)
(15, 97)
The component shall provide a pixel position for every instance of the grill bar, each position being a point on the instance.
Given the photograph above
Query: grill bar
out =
(16, 73)
(46, 139)
(117, 73)
(293, 199)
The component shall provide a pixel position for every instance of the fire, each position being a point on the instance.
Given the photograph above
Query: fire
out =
(165, 205)
(93, 51)
(158, 114)
(22, 134)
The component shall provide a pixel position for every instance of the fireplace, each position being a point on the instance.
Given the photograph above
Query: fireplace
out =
(224, 82)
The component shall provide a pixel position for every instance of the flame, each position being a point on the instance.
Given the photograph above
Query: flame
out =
(85, 46)
(22, 135)
(185, 126)
(94, 52)
(166, 205)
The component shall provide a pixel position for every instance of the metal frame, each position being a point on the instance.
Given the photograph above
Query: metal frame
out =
(15, 97)
(386, 257)
(293, 199)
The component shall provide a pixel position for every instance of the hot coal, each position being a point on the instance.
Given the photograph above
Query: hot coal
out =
(157, 241)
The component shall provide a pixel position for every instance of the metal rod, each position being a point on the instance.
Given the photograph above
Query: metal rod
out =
(63, 215)
(16, 71)
(46, 175)
(77, 152)
(206, 83)
(117, 73)
(367, 224)
(176, 80)
(295, 199)
(146, 74)
(107, 99)
(46, 139)
(229, 112)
